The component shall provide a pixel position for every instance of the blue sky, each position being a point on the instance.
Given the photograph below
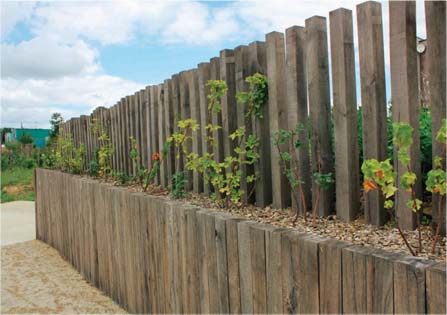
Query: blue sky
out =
(71, 57)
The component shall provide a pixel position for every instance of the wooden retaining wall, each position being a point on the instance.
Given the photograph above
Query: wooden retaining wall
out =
(154, 255)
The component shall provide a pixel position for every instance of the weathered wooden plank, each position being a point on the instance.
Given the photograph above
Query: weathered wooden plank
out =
(297, 105)
(354, 272)
(435, 13)
(380, 282)
(234, 285)
(306, 250)
(203, 76)
(193, 83)
(193, 298)
(435, 289)
(169, 128)
(276, 73)
(229, 112)
(319, 107)
(409, 285)
(221, 260)
(185, 113)
(241, 72)
(290, 271)
(162, 135)
(373, 97)
(215, 66)
(331, 276)
(404, 90)
(154, 106)
(245, 265)
(347, 177)
(175, 86)
(263, 186)
(147, 126)
(206, 261)
(137, 117)
(258, 268)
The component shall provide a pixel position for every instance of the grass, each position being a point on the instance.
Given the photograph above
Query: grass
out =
(16, 184)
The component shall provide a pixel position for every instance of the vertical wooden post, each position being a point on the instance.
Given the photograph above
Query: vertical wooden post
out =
(175, 82)
(347, 176)
(263, 186)
(196, 115)
(185, 113)
(153, 105)
(203, 75)
(320, 111)
(127, 134)
(404, 90)
(435, 12)
(162, 135)
(137, 117)
(241, 54)
(297, 105)
(133, 166)
(143, 127)
(229, 113)
(169, 128)
(372, 83)
(276, 74)
(147, 118)
(217, 117)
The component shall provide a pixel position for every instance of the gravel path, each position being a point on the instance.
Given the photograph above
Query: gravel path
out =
(36, 279)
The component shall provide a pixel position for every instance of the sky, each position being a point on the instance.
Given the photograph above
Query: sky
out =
(70, 57)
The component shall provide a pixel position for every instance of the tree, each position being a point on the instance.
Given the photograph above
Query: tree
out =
(56, 120)
(26, 138)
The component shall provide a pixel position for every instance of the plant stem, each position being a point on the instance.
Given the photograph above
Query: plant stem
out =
(401, 233)
(298, 177)
(438, 227)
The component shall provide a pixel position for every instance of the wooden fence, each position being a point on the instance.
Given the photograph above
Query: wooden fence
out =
(297, 67)
(154, 255)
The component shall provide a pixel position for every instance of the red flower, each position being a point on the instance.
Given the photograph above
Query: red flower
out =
(155, 156)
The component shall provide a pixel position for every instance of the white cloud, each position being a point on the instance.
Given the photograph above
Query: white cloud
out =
(31, 101)
(13, 12)
(45, 58)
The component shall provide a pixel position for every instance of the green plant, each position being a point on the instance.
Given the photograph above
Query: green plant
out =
(256, 97)
(436, 180)
(403, 139)
(179, 182)
(381, 175)
(93, 168)
(105, 150)
(26, 139)
(55, 121)
(67, 157)
(289, 163)
(122, 178)
(224, 176)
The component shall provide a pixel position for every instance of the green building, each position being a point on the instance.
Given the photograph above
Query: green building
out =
(40, 136)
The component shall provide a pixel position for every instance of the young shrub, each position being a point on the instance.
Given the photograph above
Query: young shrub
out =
(402, 139)
(381, 175)
(436, 181)
(179, 182)
(105, 150)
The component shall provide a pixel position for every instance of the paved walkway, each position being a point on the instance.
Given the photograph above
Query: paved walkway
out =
(18, 222)
(35, 278)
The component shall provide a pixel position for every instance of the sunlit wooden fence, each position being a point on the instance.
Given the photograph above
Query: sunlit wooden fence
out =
(297, 66)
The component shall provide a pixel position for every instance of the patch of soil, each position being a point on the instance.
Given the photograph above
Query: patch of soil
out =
(16, 190)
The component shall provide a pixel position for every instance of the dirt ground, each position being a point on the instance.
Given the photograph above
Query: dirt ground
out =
(35, 279)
